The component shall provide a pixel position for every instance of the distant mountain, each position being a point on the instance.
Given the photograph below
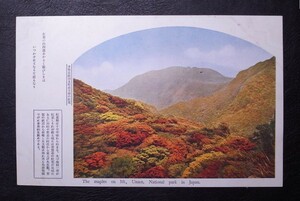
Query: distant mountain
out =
(247, 101)
(89, 99)
(165, 87)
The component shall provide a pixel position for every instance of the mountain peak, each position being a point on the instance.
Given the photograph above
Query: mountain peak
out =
(245, 102)
(165, 87)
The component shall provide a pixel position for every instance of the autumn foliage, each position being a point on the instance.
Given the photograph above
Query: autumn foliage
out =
(211, 171)
(95, 160)
(155, 172)
(120, 138)
(126, 139)
(236, 143)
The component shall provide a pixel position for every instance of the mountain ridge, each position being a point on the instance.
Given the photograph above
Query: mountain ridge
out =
(165, 87)
(250, 94)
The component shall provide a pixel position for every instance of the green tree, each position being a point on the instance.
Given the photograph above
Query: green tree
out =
(264, 136)
(122, 167)
(151, 156)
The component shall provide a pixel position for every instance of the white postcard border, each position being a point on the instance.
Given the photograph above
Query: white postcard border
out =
(69, 37)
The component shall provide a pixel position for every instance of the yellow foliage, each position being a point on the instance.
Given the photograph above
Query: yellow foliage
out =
(139, 105)
(80, 168)
(208, 147)
(176, 170)
(110, 116)
(197, 164)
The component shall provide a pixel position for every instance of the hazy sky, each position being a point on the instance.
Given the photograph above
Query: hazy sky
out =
(113, 63)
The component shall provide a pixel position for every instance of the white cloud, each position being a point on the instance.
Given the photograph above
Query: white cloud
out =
(105, 68)
(232, 59)
(193, 53)
(97, 76)
(213, 56)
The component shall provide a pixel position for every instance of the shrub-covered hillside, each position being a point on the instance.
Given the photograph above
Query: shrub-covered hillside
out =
(120, 138)
(244, 103)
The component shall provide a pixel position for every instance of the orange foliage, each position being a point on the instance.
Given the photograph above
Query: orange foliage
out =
(102, 102)
(155, 172)
(241, 143)
(96, 160)
(176, 130)
(139, 117)
(177, 147)
(126, 139)
(224, 149)
(80, 168)
(87, 90)
(235, 169)
(156, 141)
(111, 127)
(119, 102)
(121, 128)
(83, 129)
(161, 121)
(139, 127)
(165, 121)
(199, 139)
(236, 143)
(170, 128)
(211, 171)
(102, 109)
(80, 108)
(179, 152)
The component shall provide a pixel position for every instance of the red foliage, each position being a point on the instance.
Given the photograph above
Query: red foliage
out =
(176, 130)
(223, 149)
(161, 121)
(155, 172)
(87, 90)
(84, 129)
(80, 108)
(237, 143)
(165, 121)
(176, 157)
(119, 102)
(111, 127)
(102, 109)
(139, 127)
(172, 121)
(139, 117)
(160, 141)
(242, 144)
(211, 171)
(199, 139)
(102, 102)
(178, 148)
(126, 139)
(178, 152)
(96, 160)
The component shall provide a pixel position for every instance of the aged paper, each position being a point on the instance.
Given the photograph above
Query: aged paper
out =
(149, 101)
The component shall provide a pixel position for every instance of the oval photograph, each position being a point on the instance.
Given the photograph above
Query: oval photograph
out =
(174, 102)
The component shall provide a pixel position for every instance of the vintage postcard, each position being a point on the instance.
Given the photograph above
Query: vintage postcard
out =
(149, 101)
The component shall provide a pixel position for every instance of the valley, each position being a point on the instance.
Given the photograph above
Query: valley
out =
(224, 128)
